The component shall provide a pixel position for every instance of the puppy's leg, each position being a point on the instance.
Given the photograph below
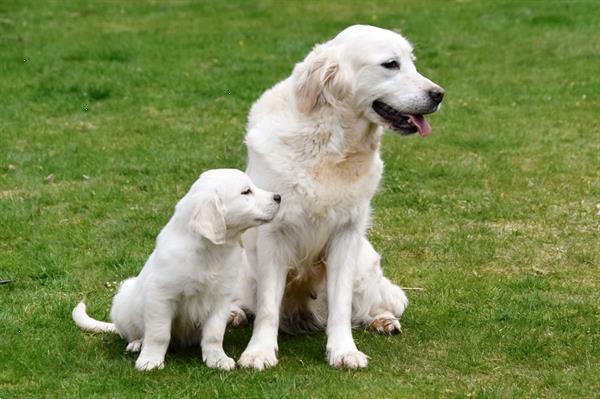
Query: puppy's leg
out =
(271, 271)
(126, 311)
(341, 264)
(213, 331)
(158, 316)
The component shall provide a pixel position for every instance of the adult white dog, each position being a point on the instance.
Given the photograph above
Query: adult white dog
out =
(315, 137)
(186, 287)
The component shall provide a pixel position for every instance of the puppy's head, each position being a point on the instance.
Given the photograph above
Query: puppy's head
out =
(370, 72)
(225, 203)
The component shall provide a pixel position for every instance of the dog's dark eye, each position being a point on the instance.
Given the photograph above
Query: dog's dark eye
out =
(392, 64)
(247, 192)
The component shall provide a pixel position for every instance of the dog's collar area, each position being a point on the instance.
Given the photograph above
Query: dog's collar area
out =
(399, 122)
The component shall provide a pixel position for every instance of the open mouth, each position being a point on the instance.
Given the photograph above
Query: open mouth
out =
(401, 123)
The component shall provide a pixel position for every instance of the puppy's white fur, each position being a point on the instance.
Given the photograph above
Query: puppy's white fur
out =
(185, 290)
(315, 138)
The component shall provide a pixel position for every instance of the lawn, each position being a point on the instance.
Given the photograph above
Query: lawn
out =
(110, 110)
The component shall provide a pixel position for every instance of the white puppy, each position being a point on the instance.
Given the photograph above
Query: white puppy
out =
(185, 290)
(315, 138)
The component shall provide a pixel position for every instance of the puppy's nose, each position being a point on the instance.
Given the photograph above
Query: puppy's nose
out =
(436, 94)
(277, 198)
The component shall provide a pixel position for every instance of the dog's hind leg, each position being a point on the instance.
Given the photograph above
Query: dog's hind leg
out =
(126, 311)
(237, 316)
(386, 324)
(388, 311)
(377, 302)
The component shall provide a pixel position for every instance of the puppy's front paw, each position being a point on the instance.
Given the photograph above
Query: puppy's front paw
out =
(134, 346)
(386, 325)
(224, 363)
(147, 363)
(347, 359)
(258, 359)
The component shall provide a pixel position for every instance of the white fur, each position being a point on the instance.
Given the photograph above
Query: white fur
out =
(185, 290)
(315, 138)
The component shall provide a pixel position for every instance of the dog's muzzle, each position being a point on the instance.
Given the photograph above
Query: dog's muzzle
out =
(401, 122)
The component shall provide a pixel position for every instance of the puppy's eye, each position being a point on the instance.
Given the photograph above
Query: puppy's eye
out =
(247, 192)
(391, 64)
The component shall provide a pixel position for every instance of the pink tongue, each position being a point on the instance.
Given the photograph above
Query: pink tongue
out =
(421, 124)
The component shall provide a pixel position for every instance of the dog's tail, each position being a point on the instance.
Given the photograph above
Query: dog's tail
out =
(85, 322)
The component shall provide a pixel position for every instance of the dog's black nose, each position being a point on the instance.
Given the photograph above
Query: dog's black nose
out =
(436, 94)
(277, 198)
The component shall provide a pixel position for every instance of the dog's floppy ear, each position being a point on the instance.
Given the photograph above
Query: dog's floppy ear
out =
(318, 79)
(208, 219)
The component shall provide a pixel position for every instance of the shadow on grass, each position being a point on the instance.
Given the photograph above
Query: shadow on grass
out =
(305, 348)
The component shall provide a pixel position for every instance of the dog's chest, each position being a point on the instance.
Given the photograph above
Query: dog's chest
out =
(339, 186)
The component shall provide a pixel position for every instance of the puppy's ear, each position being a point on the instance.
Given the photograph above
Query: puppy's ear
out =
(208, 219)
(319, 80)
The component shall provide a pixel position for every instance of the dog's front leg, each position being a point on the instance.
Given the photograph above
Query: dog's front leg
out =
(341, 265)
(158, 316)
(271, 272)
(213, 331)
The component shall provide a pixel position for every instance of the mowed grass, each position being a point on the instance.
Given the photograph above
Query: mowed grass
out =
(108, 112)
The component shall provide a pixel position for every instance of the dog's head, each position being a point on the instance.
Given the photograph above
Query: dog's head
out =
(370, 72)
(225, 203)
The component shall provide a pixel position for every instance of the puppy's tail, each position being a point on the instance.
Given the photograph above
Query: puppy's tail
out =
(86, 323)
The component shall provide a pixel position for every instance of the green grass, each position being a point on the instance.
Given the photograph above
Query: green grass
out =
(495, 215)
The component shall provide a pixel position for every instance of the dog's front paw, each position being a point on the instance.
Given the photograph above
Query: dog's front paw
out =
(147, 363)
(353, 359)
(224, 363)
(258, 359)
(386, 325)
